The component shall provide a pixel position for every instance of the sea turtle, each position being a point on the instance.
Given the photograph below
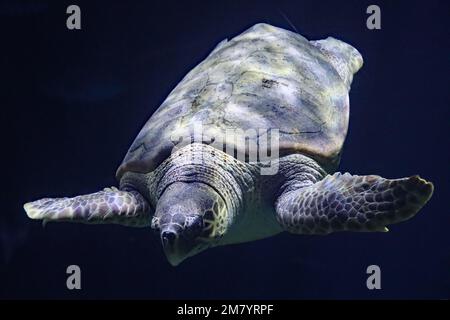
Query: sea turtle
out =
(185, 177)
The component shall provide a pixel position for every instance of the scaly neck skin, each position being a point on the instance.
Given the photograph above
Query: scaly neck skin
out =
(235, 181)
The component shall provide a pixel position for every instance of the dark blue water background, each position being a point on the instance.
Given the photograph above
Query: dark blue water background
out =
(73, 101)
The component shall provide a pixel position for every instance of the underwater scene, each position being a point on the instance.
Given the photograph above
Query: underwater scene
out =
(293, 150)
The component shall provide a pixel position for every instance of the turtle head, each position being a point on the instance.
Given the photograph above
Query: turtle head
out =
(189, 217)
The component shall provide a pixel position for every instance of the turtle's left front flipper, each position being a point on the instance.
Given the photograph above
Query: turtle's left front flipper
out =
(108, 206)
(344, 202)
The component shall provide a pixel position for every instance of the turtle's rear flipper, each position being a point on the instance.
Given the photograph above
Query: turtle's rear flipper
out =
(108, 206)
(343, 202)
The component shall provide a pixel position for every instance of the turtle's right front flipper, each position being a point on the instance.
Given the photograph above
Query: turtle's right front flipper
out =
(343, 202)
(108, 206)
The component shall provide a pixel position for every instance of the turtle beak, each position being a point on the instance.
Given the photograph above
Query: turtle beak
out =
(175, 248)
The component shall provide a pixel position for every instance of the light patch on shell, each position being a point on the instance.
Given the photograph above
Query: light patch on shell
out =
(236, 111)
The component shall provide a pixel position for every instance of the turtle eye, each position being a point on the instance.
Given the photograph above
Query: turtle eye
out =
(194, 226)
